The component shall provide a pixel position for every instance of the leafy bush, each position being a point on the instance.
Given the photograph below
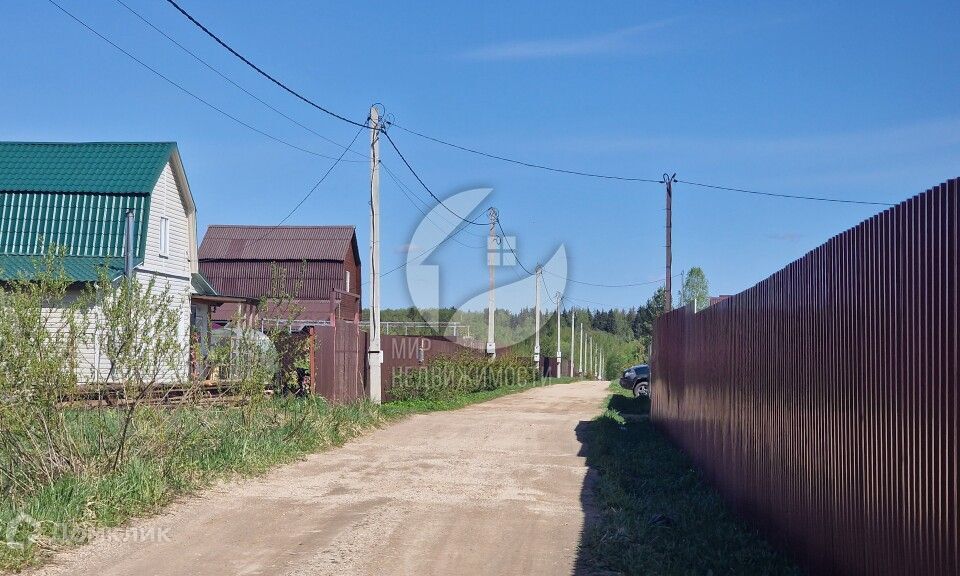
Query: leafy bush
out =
(445, 377)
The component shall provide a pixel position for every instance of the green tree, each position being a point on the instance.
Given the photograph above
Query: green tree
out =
(648, 314)
(695, 290)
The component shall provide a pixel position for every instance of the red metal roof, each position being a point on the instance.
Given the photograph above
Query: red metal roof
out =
(223, 242)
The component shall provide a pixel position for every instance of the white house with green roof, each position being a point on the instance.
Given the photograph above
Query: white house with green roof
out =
(76, 195)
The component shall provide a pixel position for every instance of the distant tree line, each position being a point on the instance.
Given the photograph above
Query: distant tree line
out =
(625, 334)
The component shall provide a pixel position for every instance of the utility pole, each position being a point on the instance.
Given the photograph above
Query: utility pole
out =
(536, 344)
(374, 353)
(573, 339)
(558, 335)
(668, 286)
(580, 364)
(590, 355)
(492, 252)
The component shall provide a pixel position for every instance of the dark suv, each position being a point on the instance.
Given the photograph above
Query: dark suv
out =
(637, 379)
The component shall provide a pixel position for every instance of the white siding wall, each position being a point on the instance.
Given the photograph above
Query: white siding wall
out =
(173, 271)
(168, 203)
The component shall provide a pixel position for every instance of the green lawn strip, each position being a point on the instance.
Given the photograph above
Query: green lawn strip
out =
(281, 431)
(393, 410)
(656, 514)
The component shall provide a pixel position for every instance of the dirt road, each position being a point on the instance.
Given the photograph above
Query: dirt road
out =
(494, 488)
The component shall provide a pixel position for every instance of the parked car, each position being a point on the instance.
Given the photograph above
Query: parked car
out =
(637, 378)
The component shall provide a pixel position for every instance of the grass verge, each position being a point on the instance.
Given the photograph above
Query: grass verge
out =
(656, 514)
(224, 446)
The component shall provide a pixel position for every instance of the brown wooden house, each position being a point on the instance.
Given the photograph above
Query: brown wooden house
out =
(316, 267)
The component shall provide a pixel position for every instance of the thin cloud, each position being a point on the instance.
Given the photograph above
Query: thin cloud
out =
(633, 40)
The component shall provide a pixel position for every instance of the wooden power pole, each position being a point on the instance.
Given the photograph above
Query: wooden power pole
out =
(668, 180)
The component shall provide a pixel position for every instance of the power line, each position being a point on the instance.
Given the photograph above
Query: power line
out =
(188, 92)
(422, 183)
(776, 195)
(527, 164)
(490, 155)
(594, 302)
(417, 257)
(312, 190)
(410, 198)
(303, 98)
(260, 70)
(503, 238)
(403, 187)
(228, 79)
(601, 285)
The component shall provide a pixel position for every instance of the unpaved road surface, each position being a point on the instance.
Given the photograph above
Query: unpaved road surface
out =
(494, 488)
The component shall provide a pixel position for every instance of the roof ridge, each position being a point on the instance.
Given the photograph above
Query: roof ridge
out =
(65, 143)
(281, 226)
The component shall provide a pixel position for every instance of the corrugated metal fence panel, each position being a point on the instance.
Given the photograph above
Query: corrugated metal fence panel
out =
(339, 362)
(823, 402)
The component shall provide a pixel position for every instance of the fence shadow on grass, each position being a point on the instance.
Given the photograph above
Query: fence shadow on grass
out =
(648, 511)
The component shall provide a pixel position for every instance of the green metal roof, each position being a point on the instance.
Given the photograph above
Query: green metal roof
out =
(201, 285)
(100, 167)
(75, 196)
(78, 269)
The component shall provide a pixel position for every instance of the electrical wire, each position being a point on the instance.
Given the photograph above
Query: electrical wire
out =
(188, 92)
(422, 183)
(216, 71)
(490, 155)
(527, 164)
(417, 257)
(601, 285)
(311, 191)
(503, 236)
(303, 98)
(776, 195)
(260, 70)
(413, 195)
(406, 192)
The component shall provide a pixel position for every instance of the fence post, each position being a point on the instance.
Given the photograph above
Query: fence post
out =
(313, 360)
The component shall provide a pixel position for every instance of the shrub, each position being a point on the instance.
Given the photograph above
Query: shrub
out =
(447, 377)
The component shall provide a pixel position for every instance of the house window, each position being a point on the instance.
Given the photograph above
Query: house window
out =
(348, 281)
(165, 237)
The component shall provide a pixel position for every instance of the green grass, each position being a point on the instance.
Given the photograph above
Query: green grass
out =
(403, 408)
(656, 514)
(222, 446)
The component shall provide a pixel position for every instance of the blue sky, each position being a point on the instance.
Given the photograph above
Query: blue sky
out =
(857, 101)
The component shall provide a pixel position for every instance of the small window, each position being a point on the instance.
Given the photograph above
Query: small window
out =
(347, 289)
(165, 237)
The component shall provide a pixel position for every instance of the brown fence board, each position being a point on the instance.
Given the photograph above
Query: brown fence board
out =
(823, 402)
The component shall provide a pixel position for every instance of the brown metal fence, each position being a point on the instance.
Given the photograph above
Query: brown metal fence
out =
(338, 362)
(405, 353)
(823, 402)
